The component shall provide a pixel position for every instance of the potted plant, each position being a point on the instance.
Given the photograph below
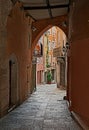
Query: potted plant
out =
(49, 77)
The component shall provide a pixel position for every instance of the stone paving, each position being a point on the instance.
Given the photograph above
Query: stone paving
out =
(44, 110)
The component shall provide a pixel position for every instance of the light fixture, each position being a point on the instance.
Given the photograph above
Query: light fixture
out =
(67, 45)
(64, 24)
(60, 59)
(34, 28)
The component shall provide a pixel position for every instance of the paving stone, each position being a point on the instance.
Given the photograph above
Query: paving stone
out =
(44, 110)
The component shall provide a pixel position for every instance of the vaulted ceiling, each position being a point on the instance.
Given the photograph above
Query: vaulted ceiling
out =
(41, 9)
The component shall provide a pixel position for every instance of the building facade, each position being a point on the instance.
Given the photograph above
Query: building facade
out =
(17, 42)
(51, 40)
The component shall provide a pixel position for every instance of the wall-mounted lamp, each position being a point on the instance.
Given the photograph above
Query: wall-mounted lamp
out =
(66, 47)
(60, 59)
(34, 28)
(64, 24)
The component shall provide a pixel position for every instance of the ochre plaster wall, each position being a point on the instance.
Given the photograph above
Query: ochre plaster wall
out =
(79, 59)
(18, 41)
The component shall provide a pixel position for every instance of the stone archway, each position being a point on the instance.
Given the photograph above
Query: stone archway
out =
(61, 67)
(13, 82)
(40, 26)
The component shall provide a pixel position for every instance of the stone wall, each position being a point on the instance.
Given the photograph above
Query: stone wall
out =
(5, 7)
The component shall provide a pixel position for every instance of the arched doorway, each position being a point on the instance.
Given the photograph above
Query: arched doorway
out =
(13, 82)
(55, 57)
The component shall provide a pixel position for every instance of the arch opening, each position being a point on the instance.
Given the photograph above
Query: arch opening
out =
(53, 60)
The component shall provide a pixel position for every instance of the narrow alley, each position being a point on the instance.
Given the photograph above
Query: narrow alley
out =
(44, 110)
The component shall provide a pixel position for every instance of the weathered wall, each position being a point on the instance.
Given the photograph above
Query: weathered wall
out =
(5, 7)
(18, 27)
(79, 58)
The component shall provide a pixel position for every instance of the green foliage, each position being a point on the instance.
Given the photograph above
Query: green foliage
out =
(49, 76)
(47, 65)
(47, 52)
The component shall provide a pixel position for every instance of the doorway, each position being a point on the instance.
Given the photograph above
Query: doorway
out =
(13, 84)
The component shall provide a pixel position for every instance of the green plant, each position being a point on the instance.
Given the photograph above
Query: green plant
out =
(49, 76)
(47, 65)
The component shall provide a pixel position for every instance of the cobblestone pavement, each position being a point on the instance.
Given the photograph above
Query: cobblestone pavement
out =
(44, 110)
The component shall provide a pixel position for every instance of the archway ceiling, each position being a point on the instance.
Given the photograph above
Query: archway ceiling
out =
(42, 9)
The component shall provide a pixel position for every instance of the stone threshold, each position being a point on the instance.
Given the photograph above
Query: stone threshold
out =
(11, 108)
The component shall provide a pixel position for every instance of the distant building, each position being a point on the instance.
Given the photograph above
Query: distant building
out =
(48, 50)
